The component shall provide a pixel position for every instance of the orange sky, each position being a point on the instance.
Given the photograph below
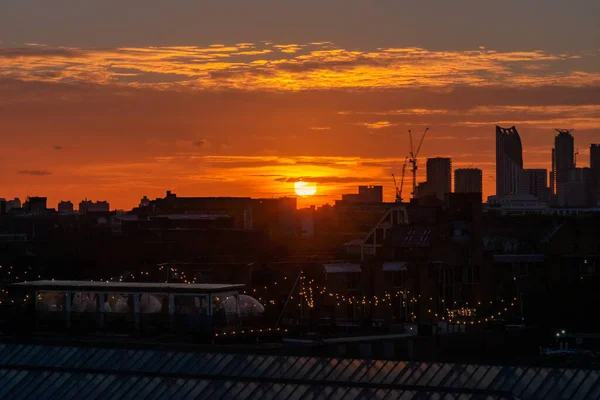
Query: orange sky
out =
(249, 119)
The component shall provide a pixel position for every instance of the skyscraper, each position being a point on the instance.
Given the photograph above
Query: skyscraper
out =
(468, 180)
(576, 191)
(563, 159)
(509, 160)
(595, 167)
(595, 158)
(65, 207)
(439, 176)
(534, 182)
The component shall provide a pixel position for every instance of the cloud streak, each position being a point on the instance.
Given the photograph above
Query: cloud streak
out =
(313, 66)
(35, 172)
(376, 125)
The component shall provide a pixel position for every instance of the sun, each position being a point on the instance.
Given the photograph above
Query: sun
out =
(305, 189)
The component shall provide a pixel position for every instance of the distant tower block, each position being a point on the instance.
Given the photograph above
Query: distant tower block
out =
(509, 160)
(439, 176)
(563, 159)
(468, 180)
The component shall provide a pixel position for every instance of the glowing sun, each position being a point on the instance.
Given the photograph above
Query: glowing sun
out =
(305, 189)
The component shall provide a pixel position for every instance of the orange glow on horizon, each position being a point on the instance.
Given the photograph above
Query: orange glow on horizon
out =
(305, 189)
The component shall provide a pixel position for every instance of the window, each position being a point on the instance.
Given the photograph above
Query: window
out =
(470, 275)
(51, 301)
(198, 305)
(446, 276)
(395, 278)
(352, 280)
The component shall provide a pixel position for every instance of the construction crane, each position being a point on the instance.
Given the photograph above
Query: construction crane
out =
(413, 159)
(399, 188)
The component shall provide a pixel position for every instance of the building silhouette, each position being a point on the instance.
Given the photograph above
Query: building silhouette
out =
(563, 160)
(7, 205)
(14, 203)
(87, 206)
(65, 207)
(577, 190)
(534, 182)
(439, 177)
(366, 194)
(595, 167)
(35, 204)
(468, 180)
(509, 160)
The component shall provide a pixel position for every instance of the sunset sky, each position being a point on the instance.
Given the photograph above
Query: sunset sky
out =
(114, 100)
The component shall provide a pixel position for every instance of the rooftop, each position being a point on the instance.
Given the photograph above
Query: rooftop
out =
(79, 372)
(130, 286)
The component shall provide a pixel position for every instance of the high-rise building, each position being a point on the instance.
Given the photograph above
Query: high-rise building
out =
(65, 207)
(13, 204)
(468, 180)
(87, 206)
(439, 176)
(35, 204)
(563, 160)
(534, 182)
(595, 167)
(595, 158)
(575, 192)
(371, 194)
(423, 189)
(509, 160)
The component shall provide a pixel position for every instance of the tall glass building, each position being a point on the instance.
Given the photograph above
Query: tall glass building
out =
(509, 160)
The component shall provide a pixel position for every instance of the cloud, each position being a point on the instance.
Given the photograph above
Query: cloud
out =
(284, 67)
(35, 172)
(288, 48)
(327, 179)
(319, 128)
(36, 51)
(376, 125)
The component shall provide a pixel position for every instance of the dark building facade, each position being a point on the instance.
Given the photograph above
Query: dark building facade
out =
(272, 215)
(366, 194)
(595, 167)
(509, 160)
(88, 206)
(563, 160)
(577, 190)
(439, 176)
(534, 182)
(65, 207)
(35, 204)
(468, 180)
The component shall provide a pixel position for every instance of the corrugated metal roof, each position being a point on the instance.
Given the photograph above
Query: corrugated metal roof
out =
(341, 268)
(395, 266)
(29, 371)
(129, 286)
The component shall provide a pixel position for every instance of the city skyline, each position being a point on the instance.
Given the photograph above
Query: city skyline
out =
(196, 100)
(307, 197)
(299, 199)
